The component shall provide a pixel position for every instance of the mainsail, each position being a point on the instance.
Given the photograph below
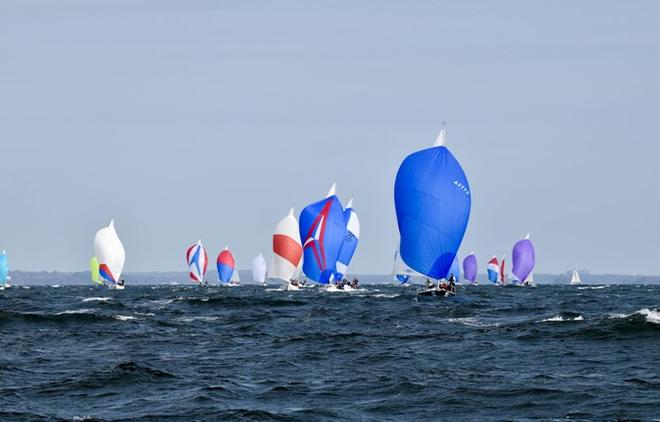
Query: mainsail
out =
(287, 249)
(110, 253)
(493, 270)
(432, 200)
(197, 260)
(225, 265)
(259, 269)
(523, 257)
(470, 268)
(503, 272)
(94, 271)
(350, 243)
(322, 231)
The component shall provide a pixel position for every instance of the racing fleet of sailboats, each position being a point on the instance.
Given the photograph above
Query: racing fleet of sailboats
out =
(432, 200)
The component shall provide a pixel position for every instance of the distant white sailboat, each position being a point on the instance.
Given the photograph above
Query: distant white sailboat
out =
(575, 279)
(259, 270)
(111, 256)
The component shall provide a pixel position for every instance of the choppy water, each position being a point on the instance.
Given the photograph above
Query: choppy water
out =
(182, 354)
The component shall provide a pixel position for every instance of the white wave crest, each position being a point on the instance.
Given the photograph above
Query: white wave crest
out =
(651, 315)
(96, 299)
(592, 287)
(123, 317)
(559, 318)
(76, 311)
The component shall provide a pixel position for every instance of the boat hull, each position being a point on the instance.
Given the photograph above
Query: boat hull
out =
(435, 292)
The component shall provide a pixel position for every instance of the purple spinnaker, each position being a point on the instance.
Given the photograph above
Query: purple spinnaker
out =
(524, 258)
(470, 268)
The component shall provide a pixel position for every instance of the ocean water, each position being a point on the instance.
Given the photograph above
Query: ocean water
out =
(179, 353)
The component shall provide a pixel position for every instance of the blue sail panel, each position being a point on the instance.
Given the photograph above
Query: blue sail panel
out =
(322, 231)
(432, 200)
(454, 270)
(4, 268)
(349, 244)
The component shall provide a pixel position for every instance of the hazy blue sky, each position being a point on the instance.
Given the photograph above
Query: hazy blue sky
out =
(210, 119)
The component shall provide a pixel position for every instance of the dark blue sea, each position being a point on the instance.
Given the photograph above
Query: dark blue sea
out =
(179, 353)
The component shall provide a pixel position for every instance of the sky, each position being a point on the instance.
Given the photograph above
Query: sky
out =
(210, 119)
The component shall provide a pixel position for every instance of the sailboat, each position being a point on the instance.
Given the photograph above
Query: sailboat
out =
(503, 272)
(111, 256)
(432, 201)
(575, 278)
(4, 271)
(350, 243)
(197, 260)
(287, 252)
(523, 258)
(259, 270)
(226, 266)
(493, 270)
(470, 269)
(94, 273)
(322, 232)
(235, 277)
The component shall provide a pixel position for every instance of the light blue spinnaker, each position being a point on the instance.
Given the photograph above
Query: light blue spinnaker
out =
(4, 267)
(432, 200)
(455, 269)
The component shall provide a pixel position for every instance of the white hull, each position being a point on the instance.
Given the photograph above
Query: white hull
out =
(117, 287)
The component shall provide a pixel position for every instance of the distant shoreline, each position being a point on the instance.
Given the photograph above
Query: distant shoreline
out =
(82, 278)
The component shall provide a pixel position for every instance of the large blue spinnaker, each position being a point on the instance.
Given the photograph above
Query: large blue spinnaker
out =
(432, 200)
(322, 232)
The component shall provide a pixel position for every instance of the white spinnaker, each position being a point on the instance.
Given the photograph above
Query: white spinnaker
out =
(109, 250)
(283, 269)
(259, 269)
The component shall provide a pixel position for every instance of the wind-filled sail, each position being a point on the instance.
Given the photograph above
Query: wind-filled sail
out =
(523, 259)
(432, 200)
(493, 270)
(94, 271)
(575, 278)
(287, 249)
(351, 239)
(198, 261)
(4, 267)
(110, 253)
(401, 278)
(503, 272)
(259, 269)
(470, 268)
(454, 270)
(226, 265)
(322, 231)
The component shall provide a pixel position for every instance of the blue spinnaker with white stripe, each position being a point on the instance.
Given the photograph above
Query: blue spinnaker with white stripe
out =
(432, 200)
(322, 231)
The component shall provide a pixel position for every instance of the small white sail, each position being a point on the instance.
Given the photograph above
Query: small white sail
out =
(110, 253)
(575, 279)
(235, 277)
(259, 269)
